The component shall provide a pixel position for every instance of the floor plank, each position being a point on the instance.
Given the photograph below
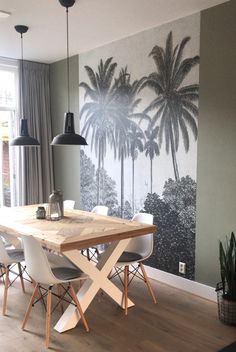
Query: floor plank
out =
(179, 322)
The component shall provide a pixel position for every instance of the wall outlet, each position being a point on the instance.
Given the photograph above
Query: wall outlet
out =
(182, 268)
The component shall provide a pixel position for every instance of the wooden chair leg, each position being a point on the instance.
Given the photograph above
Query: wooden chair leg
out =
(48, 316)
(146, 279)
(7, 282)
(21, 277)
(34, 294)
(126, 283)
(75, 299)
(59, 292)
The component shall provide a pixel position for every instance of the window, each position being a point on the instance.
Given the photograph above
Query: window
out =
(8, 108)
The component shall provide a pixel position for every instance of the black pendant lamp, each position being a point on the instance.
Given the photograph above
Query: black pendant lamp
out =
(69, 137)
(24, 139)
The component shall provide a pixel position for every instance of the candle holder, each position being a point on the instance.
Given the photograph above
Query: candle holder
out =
(53, 211)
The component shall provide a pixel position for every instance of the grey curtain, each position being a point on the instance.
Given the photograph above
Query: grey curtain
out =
(35, 166)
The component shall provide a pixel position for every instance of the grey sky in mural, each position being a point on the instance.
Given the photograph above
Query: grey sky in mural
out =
(139, 108)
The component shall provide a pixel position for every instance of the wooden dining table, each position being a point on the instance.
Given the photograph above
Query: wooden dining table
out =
(78, 230)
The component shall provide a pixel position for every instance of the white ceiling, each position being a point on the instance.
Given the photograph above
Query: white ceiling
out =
(92, 23)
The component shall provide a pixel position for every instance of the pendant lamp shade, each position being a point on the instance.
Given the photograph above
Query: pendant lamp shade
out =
(24, 140)
(69, 137)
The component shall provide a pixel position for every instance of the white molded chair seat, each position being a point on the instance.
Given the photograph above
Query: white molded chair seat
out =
(129, 257)
(15, 255)
(58, 260)
(43, 274)
(8, 258)
(138, 249)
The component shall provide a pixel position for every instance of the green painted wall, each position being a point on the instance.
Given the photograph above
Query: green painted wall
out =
(216, 180)
(66, 158)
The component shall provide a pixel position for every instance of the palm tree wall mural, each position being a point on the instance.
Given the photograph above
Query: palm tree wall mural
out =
(139, 110)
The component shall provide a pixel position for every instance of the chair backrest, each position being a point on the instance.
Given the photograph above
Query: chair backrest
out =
(100, 209)
(142, 245)
(69, 204)
(4, 257)
(36, 261)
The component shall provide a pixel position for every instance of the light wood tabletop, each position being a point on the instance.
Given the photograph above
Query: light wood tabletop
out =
(76, 230)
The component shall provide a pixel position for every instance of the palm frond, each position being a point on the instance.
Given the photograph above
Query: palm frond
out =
(180, 55)
(190, 96)
(87, 108)
(191, 88)
(155, 104)
(190, 120)
(158, 114)
(162, 128)
(184, 134)
(184, 69)
(107, 63)
(110, 74)
(152, 82)
(191, 107)
(89, 92)
(141, 116)
(158, 56)
(91, 76)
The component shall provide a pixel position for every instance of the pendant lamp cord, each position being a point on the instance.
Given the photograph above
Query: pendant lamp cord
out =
(68, 61)
(21, 83)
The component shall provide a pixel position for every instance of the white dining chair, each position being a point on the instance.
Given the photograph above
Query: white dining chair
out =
(138, 249)
(8, 259)
(100, 209)
(43, 274)
(92, 253)
(69, 204)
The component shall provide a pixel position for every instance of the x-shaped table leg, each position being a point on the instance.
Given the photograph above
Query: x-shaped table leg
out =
(98, 278)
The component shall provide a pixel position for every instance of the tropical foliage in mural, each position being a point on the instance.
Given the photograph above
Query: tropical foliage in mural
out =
(112, 118)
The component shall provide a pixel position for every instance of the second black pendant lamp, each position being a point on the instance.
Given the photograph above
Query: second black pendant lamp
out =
(69, 137)
(24, 140)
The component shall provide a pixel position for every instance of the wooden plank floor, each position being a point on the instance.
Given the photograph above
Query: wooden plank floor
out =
(180, 322)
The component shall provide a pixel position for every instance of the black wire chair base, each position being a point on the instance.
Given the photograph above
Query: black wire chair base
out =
(43, 291)
(16, 274)
(134, 272)
(92, 254)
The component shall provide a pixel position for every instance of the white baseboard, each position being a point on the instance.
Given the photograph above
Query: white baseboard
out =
(181, 283)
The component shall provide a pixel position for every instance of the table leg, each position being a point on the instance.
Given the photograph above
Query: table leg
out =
(98, 278)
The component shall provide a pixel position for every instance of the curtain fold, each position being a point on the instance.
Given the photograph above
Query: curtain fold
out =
(35, 166)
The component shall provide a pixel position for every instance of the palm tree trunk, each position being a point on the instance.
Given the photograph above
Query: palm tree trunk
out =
(175, 165)
(102, 191)
(98, 178)
(122, 185)
(151, 174)
(133, 185)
